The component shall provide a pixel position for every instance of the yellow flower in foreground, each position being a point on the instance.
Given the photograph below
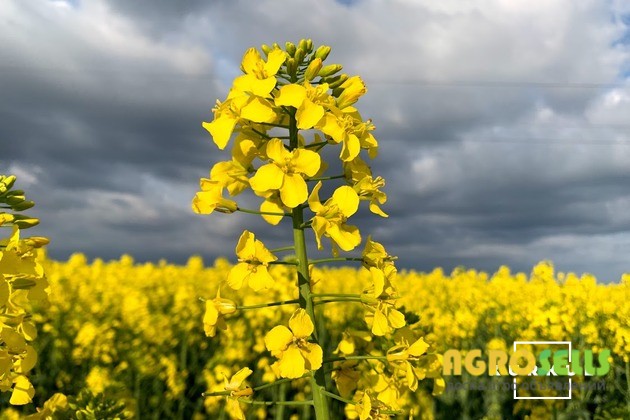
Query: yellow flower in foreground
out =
(383, 318)
(254, 259)
(237, 390)
(330, 218)
(259, 78)
(284, 173)
(401, 355)
(309, 101)
(210, 198)
(296, 355)
(215, 310)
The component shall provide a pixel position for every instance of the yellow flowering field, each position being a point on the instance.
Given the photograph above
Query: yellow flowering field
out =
(135, 333)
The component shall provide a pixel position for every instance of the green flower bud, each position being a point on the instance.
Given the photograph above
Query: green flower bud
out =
(290, 48)
(6, 182)
(336, 81)
(23, 284)
(330, 69)
(291, 66)
(14, 200)
(26, 223)
(299, 56)
(322, 52)
(313, 69)
(303, 45)
(24, 205)
(265, 48)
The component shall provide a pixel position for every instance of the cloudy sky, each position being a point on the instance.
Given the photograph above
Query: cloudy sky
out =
(504, 125)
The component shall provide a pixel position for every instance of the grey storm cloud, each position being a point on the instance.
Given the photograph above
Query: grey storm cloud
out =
(503, 127)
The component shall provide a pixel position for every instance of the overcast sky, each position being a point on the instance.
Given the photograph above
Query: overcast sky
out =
(504, 125)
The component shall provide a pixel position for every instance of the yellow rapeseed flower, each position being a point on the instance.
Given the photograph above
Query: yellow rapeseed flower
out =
(254, 259)
(295, 354)
(285, 171)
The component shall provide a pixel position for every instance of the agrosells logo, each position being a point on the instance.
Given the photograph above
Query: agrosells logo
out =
(563, 362)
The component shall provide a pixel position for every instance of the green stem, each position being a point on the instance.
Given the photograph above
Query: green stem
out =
(282, 263)
(323, 301)
(325, 178)
(270, 213)
(274, 125)
(267, 305)
(335, 295)
(260, 133)
(320, 143)
(318, 380)
(254, 402)
(337, 259)
(284, 248)
(343, 358)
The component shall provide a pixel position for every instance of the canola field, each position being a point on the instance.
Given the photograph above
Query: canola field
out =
(135, 334)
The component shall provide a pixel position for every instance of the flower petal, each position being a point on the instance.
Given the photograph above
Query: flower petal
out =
(277, 152)
(291, 95)
(291, 363)
(220, 129)
(278, 338)
(313, 355)
(237, 275)
(274, 60)
(309, 114)
(306, 161)
(260, 279)
(267, 177)
(272, 207)
(346, 199)
(301, 324)
(258, 110)
(294, 190)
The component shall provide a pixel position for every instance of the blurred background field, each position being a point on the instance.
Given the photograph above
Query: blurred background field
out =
(134, 333)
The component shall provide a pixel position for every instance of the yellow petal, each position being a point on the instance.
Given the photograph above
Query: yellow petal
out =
(237, 379)
(396, 318)
(268, 177)
(250, 61)
(319, 225)
(237, 275)
(260, 279)
(277, 152)
(301, 324)
(351, 148)
(278, 338)
(313, 355)
(308, 115)
(378, 277)
(272, 207)
(212, 314)
(418, 348)
(291, 363)
(374, 208)
(23, 391)
(380, 326)
(221, 129)
(262, 254)
(291, 95)
(275, 59)
(313, 200)
(306, 162)
(293, 191)
(258, 110)
(347, 200)
(346, 237)
(246, 246)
